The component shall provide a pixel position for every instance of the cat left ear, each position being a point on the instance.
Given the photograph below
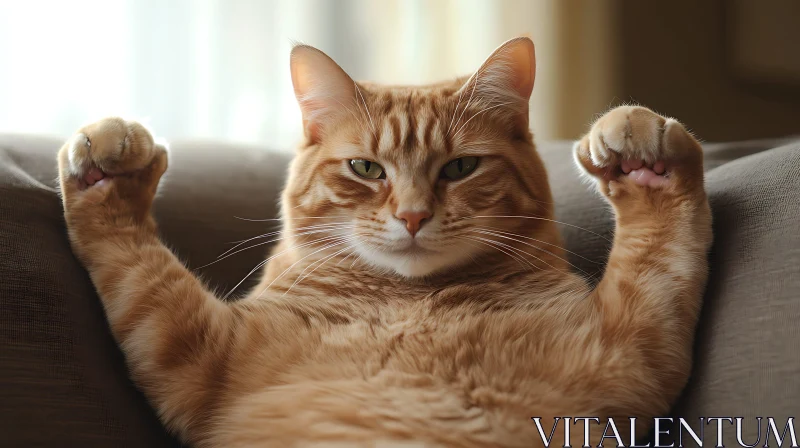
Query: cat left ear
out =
(507, 75)
(321, 87)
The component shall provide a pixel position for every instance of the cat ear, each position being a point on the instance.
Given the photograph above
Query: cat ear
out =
(322, 88)
(507, 75)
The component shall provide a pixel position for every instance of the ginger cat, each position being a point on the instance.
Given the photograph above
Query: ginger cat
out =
(419, 295)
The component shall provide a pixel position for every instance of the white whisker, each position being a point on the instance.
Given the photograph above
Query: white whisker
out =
(518, 250)
(285, 219)
(220, 258)
(337, 242)
(453, 118)
(542, 219)
(277, 232)
(478, 113)
(355, 260)
(466, 106)
(491, 244)
(272, 257)
(495, 229)
(367, 110)
(348, 256)
(358, 119)
(531, 245)
(301, 277)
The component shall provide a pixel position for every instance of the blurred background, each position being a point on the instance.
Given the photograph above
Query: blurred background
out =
(218, 69)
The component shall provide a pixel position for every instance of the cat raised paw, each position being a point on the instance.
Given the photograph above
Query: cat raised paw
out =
(634, 145)
(109, 147)
(111, 160)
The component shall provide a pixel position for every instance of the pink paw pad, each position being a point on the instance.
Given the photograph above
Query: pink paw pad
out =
(92, 177)
(644, 175)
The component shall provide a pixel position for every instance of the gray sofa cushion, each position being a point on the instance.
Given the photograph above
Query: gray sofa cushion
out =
(748, 341)
(62, 378)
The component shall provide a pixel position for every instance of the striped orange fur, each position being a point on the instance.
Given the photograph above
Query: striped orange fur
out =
(413, 307)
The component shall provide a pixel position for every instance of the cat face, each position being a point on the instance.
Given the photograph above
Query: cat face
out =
(411, 179)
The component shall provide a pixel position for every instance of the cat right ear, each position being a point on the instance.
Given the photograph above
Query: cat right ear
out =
(506, 77)
(322, 88)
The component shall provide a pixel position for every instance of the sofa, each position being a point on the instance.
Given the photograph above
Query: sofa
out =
(63, 380)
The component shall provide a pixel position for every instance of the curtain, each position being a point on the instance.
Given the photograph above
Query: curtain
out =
(218, 69)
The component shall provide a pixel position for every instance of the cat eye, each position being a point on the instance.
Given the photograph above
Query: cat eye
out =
(459, 168)
(367, 169)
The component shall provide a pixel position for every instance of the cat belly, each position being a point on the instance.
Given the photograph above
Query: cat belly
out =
(389, 407)
(448, 382)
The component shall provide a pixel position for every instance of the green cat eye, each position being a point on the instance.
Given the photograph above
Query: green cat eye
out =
(367, 169)
(459, 168)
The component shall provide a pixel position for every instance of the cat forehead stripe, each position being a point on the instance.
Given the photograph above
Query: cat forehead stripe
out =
(408, 124)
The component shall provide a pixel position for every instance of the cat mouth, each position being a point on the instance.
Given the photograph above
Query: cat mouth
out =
(412, 247)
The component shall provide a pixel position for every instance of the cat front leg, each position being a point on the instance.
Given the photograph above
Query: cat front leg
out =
(173, 331)
(650, 169)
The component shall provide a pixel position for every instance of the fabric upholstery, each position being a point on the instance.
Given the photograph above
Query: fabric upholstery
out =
(747, 361)
(63, 380)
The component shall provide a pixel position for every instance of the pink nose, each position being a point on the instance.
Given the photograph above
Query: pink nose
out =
(414, 220)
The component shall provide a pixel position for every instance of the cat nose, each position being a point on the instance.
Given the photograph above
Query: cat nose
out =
(413, 219)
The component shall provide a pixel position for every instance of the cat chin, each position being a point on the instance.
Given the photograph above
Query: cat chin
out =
(411, 265)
